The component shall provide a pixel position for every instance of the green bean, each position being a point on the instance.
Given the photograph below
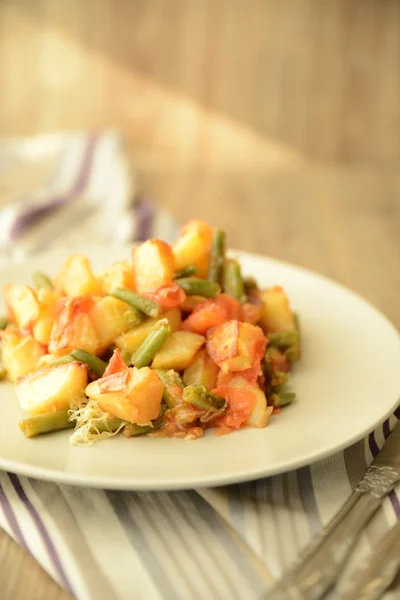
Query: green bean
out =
(200, 397)
(173, 386)
(232, 280)
(217, 256)
(41, 280)
(279, 400)
(278, 382)
(187, 271)
(145, 305)
(283, 339)
(4, 321)
(250, 285)
(131, 429)
(58, 360)
(193, 286)
(151, 345)
(111, 425)
(45, 423)
(94, 363)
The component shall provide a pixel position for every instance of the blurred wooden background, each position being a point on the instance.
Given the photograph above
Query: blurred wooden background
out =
(276, 119)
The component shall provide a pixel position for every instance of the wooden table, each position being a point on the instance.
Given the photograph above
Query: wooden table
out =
(279, 121)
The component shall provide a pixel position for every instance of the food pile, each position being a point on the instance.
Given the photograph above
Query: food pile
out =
(171, 343)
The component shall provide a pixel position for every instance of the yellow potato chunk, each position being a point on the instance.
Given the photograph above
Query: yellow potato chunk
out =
(110, 318)
(73, 328)
(133, 395)
(44, 323)
(20, 355)
(178, 351)
(261, 412)
(202, 371)
(153, 265)
(193, 246)
(22, 303)
(131, 340)
(276, 313)
(51, 389)
(76, 277)
(119, 275)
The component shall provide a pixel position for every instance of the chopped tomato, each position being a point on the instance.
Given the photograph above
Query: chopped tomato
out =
(223, 431)
(116, 364)
(240, 404)
(204, 316)
(169, 295)
(251, 375)
(250, 313)
(229, 305)
(222, 341)
(113, 383)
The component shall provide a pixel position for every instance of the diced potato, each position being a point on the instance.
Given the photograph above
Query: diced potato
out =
(133, 395)
(131, 340)
(236, 346)
(22, 303)
(153, 265)
(20, 354)
(260, 412)
(202, 371)
(44, 323)
(73, 328)
(53, 388)
(178, 351)
(76, 278)
(110, 318)
(276, 313)
(193, 246)
(119, 275)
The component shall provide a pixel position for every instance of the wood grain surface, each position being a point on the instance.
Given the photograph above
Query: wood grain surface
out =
(279, 121)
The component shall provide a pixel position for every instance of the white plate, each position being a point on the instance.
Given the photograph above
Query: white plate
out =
(347, 382)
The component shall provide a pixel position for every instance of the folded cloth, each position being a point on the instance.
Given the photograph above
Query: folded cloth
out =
(215, 544)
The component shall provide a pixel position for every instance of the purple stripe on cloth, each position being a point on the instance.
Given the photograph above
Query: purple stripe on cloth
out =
(11, 519)
(52, 552)
(373, 446)
(386, 429)
(397, 412)
(144, 211)
(34, 213)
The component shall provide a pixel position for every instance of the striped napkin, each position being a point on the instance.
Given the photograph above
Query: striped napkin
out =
(215, 544)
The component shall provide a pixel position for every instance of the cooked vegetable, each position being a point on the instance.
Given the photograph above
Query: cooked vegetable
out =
(133, 395)
(173, 387)
(76, 278)
(233, 281)
(41, 280)
(217, 256)
(193, 286)
(73, 328)
(276, 312)
(283, 399)
(95, 364)
(283, 339)
(151, 345)
(201, 371)
(199, 396)
(153, 265)
(19, 354)
(187, 271)
(46, 423)
(130, 341)
(193, 246)
(119, 275)
(178, 351)
(22, 304)
(51, 389)
(110, 317)
(145, 305)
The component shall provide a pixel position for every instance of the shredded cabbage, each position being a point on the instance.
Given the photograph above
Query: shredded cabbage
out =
(92, 423)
